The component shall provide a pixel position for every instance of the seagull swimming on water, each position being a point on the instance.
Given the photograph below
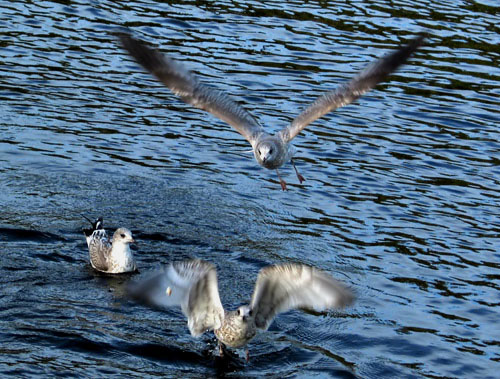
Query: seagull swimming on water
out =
(270, 151)
(192, 284)
(110, 256)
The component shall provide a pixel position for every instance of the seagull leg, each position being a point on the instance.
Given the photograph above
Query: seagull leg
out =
(300, 177)
(282, 182)
(221, 350)
(247, 354)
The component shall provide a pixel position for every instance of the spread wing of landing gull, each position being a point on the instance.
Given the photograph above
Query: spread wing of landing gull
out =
(192, 285)
(112, 256)
(280, 288)
(270, 150)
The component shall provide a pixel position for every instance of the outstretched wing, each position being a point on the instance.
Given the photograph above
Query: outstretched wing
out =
(190, 284)
(184, 84)
(347, 93)
(288, 286)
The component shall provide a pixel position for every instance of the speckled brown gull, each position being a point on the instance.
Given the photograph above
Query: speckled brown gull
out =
(270, 151)
(192, 284)
(110, 256)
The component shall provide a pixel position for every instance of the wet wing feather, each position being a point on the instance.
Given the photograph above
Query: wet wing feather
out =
(192, 285)
(283, 287)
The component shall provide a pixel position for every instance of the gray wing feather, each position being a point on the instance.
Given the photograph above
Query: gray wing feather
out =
(192, 285)
(184, 84)
(347, 93)
(288, 286)
(99, 249)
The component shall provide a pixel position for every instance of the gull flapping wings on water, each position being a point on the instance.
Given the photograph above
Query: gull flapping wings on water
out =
(193, 286)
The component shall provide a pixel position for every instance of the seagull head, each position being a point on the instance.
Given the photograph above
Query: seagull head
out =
(267, 153)
(123, 235)
(244, 313)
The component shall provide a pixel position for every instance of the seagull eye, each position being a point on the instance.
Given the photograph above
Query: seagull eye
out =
(270, 151)
(250, 312)
(122, 235)
(238, 312)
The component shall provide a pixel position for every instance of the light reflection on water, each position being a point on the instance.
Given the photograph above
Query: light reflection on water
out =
(401, 198)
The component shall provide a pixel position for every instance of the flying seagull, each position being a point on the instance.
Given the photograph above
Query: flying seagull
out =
(192, 285)
(110, 256)
(270, 151)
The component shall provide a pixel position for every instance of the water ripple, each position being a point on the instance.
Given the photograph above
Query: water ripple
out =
(401, 198)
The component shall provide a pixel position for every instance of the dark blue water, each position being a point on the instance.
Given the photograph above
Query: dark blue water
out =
(401, 199)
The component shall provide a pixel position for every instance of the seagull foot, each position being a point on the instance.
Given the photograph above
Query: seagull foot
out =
(300, 177)
(282, 182)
